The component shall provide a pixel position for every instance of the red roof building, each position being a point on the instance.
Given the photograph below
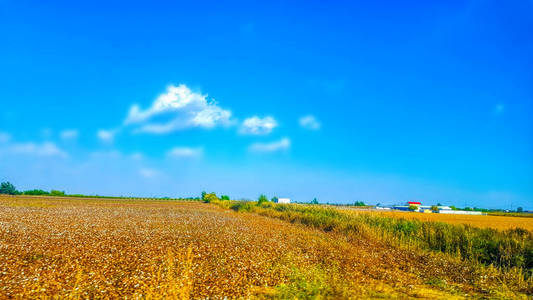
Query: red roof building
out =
(414, 203)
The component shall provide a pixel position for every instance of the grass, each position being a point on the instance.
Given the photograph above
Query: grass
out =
(511, 250)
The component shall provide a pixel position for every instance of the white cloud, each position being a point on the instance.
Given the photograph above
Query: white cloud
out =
(106, 136)
(137, 156)
(255, 125)
(499, 109)
(34, 149)
(148, 173)
(309, 122)
(185, 152)
(4, 137)
(283, 144)
(177, 109)
(69, 134)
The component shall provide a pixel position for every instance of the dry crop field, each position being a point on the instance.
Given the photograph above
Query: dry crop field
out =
(102, 248)
(483, 221)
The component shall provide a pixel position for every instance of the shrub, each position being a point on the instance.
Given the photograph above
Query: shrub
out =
(36, 192)
(413, 207)
(262, 199)
(359, 203)
(435, 208)
(211, 197)
(57, 193)
(224, 197)
(8, 188)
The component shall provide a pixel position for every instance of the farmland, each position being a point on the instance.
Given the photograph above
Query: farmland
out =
(103, 248)
(482, 221)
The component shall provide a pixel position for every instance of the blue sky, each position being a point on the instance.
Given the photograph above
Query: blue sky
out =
(369, 101)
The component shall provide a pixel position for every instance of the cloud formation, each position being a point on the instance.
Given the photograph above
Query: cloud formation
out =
(46, 149)
(4, 137)
(106, 136)
(185, 152)
(148, 173)
(281, 145)
(69, 134)
(257, 126)
(309, 122)
(177, 109)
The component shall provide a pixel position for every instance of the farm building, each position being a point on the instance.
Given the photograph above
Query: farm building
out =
(283, 200)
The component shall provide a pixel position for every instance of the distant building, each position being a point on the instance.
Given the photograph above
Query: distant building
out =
(283, 200)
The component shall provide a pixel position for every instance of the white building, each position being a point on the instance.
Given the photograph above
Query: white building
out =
(284, 200)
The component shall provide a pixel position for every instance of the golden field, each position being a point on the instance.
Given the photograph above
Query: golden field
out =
(482, 221)
(102, 248)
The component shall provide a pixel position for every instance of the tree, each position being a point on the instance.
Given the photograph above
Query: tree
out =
(36, 192)
(315, 201)
(203, 195)
(413, 207)
(438, 204)
(210, 197)
(8, 188)
(262, 198)
(359, 203)
(519, 209)
(435, 208)
(274, 199)
(224, 197)
(57, 193)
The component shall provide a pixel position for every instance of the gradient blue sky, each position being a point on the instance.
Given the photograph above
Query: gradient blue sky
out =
(371, 101)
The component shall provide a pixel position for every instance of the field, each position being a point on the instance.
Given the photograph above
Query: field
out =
(483, 221)
(105, 248)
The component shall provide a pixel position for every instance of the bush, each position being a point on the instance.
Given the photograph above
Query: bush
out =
(262, 199)
(211, 197)
(224, 197)
(359, 203)
(8, 188)
(57, 193)
(36, 192)
(435, 208)
(315, 201)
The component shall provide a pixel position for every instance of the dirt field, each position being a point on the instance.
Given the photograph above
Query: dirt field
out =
(497, 222)
(97, 248)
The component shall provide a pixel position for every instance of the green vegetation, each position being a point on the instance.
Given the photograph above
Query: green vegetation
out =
(8, 188)
(208, 198)
(434, 208)
(506, 249)
(315, 201)
(57, 193)
(224, 197)
(359, 203)
(262, 199)
(36, 192)
(511, 214)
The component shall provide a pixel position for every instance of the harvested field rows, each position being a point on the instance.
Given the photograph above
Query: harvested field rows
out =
(150, 249)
